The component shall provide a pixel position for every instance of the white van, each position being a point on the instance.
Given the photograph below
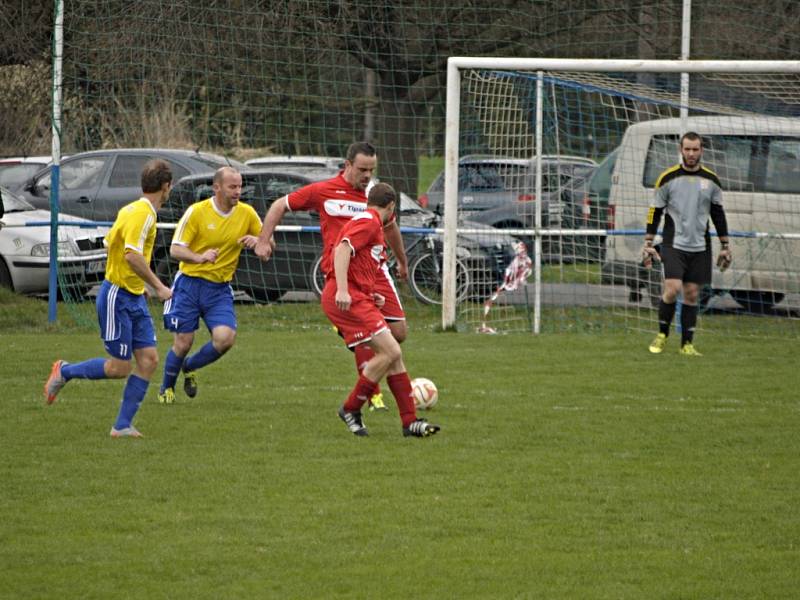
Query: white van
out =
(757, 160)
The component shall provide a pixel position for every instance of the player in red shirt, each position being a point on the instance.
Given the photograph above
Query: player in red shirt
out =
(351, 302)
(337, 200)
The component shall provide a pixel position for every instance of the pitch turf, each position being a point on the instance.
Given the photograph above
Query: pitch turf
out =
(567, 467)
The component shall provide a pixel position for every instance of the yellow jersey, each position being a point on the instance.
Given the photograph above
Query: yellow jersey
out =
(204, 226)
(134, 230)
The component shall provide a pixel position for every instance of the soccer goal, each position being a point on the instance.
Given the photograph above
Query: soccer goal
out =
(564, 156)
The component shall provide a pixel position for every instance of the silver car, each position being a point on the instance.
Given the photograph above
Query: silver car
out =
(486, 182)
(95, 185)
(25, 250)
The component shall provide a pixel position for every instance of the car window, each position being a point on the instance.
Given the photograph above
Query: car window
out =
(127, 171)
(480, 178)
(12, 202)
(268, 187)
(13, 175)
(77, 174)
(729, 156)
(783, 166)
(600, 182)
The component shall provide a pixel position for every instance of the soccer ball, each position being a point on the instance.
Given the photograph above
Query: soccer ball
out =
(425, 393)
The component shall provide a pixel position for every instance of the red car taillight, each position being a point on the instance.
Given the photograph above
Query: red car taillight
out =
(611, 223)
(526, 198)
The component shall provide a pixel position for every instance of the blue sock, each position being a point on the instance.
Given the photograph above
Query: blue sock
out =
(132, 397)
(206, 355)
(88, 369)
(172, 368)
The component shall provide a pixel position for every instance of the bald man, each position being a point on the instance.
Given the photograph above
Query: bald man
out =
(208, 241)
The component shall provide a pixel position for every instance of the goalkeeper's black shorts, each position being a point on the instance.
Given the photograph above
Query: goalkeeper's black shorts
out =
(689, 267)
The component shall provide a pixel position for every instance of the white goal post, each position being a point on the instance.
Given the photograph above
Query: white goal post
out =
(537, 67)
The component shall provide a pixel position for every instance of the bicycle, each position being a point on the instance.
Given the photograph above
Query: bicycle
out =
(425, 271)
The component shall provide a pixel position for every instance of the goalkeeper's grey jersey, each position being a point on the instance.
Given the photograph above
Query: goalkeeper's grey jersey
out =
(686, 197)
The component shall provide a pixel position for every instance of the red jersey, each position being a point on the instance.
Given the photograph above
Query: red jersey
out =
(364, 234)
(336, 202)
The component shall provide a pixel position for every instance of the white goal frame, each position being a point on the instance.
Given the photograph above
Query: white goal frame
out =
(540, 65)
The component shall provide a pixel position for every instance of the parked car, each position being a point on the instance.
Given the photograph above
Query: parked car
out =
(15, 171)
(95, 185)
(584, 205)
(296, 164)
(486, 182)
(25, 250)
(294, 265)
(755, 159)
(500, 192)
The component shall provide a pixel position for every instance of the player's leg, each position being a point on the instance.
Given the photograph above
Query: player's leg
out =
(115, 329)
(400, 384)
(673, 280)
(689, 317)
(134, 392)
(216, 305)
(352, 327)
(143, 342)
(698, 274)
(173, 364)
(182, 318)
(394, 314)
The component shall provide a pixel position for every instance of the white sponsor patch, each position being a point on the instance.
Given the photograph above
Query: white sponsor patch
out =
(344, 208)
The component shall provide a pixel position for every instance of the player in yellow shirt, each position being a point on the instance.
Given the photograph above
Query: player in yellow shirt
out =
(125, 322)
(208, 241)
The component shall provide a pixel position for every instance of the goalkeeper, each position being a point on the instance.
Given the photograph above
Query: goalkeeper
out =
(686, 194)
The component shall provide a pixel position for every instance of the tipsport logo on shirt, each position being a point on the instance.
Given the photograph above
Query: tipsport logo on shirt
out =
(344, 208)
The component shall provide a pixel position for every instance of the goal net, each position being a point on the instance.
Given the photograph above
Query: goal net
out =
(566, 159)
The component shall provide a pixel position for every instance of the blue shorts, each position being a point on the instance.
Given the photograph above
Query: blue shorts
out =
(125, 323)
(194, 298)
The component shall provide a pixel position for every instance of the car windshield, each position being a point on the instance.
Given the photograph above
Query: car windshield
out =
(600, 182)
(18, 174)
(408, 204)
(12, 202)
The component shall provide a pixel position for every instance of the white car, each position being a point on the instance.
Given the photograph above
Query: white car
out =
(16, 171)
(25, 250)
(297, 164)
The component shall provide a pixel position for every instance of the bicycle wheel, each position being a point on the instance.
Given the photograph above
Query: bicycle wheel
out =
(425, 279)
(317, 277)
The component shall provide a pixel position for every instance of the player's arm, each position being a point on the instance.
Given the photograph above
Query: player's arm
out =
(660, 201)
(341, 265)
(185, 254)
(139, 266)
(266, 241)
(135, 233)
(649, 253)
(394, 239)
(725, 257)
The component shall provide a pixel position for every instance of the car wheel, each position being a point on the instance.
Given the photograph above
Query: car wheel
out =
(264, 295)
(5, 276)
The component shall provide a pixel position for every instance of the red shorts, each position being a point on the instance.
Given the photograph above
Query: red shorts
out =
(392, 310)
(359, 324)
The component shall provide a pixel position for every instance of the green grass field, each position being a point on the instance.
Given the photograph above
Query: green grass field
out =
(568, 466)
